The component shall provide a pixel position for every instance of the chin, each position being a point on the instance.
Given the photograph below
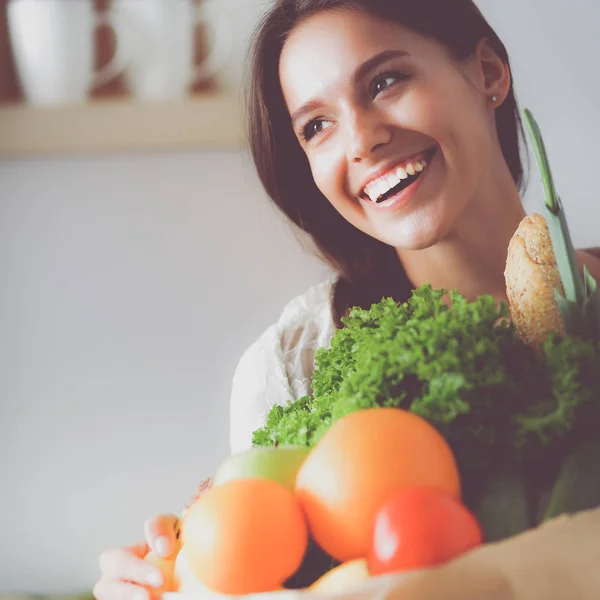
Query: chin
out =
(418, 229)
(413, 239)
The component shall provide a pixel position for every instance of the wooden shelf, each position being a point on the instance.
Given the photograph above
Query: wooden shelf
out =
(120, 125)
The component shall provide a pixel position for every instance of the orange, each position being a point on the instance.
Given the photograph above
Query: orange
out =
(245, 536)
(362, 460)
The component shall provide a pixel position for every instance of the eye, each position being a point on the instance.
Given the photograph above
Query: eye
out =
(313, 128)
(383, 82)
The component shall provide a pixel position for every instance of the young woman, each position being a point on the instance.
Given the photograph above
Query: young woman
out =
(389, 131)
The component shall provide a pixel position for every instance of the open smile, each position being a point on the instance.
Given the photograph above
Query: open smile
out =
(384, 189)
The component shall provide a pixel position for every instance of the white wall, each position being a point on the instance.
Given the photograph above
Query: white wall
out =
(554, 53)
(131, 285)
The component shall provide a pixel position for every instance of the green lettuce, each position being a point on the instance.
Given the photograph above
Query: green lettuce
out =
(462, 367)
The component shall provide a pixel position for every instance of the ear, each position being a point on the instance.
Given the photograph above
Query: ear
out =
(494, 73)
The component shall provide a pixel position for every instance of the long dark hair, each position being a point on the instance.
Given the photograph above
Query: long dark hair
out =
(368, 269)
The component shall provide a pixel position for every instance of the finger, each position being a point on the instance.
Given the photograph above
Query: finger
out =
(161, 534)
(124, 565)
(120, 590)
(140, 550)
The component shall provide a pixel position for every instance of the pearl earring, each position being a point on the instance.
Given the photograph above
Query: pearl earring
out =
(494, 98)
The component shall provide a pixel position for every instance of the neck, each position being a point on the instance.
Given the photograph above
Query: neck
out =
(471, 259)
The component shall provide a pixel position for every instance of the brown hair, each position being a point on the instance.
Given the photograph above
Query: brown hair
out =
(368, 269)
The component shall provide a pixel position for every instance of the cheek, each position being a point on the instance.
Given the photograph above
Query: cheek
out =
(451, 114)
(421, 112)
(328, 168)
(330, 175)
(468, 140)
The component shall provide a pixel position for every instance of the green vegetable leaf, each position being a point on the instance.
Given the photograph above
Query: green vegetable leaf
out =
(580, 306)
(460, 366)
(552, 202)
(571, 369)
(503, 408)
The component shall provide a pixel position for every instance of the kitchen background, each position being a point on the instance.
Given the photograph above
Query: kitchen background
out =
(139, 257)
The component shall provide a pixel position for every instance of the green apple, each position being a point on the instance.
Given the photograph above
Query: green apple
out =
(281, 464)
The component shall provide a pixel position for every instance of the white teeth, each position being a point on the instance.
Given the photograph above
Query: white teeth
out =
(381, 186)
(393, 180)
(376, 189)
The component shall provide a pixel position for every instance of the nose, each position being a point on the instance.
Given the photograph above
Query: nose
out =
(366, 134)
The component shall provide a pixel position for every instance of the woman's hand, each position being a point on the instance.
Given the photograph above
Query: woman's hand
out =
(125, 573)
(557, 561)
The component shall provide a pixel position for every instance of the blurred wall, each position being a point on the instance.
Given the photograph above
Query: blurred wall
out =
(132, 284)
(130, 287)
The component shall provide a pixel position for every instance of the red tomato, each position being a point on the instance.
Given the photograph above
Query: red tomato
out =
(421, 527)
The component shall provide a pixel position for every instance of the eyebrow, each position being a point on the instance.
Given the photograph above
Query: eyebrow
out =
(359, 74)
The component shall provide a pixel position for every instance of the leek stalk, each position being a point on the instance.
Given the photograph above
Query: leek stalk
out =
(580, 304)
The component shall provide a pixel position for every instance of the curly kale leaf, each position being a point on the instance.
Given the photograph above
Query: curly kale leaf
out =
(458, 365)
(572, 374)
(423, 355)
(286, 424)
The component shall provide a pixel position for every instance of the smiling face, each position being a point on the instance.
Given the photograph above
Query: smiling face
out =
(399, 136)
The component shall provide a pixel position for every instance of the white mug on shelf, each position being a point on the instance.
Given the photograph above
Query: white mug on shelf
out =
(53, 46)
(243, 17)
(163, 66)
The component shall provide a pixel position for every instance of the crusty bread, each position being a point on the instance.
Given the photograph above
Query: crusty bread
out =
(531, 276)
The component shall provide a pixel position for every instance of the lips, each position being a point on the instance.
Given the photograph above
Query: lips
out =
(392, 180)
(401, 194)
